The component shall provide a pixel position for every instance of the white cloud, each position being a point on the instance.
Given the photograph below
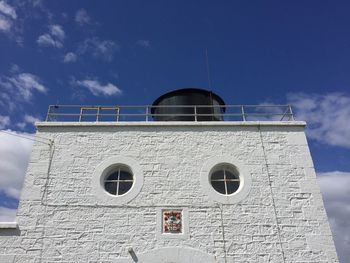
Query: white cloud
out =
(22, 125)
(144, 43)
(31, 119)
(7, 16)
(96, 88)
(54, 38)
(47, 40)
(335, 188)
(57, 31)
(4, 121)
(26, 83)
(70, 57)
(82, 17)
(99, 48)
(19, 88)
(14, 68)
(27, 119)
(5, 24)
(327, 116)
(14, 152)
(8, 10)
(7, 214)
(6, 102)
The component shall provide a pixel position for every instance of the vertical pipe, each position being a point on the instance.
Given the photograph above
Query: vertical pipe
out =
(271, 192)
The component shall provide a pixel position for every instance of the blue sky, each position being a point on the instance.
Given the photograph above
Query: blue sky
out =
(130, 52)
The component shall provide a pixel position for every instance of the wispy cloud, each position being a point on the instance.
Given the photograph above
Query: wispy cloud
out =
(82, 17)
(25, 84)
(31, 119)
(70, 57)
(5, 24)
(327, 116)
(54, 38)
(4, 121)
(15, 68)
(27, 119)
(8, 10)
(19, 87)
(97, 88)
(7, 16)
(57, 31)
(335, 188)
(47, 40)
(14, 152)
(104, 49)
(144, 43)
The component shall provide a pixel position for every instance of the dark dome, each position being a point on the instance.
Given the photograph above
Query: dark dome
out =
(168, 106)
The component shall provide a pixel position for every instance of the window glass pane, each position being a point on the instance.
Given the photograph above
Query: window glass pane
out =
(124, 187)
(125, 175)
(217, 175)
(118, 181)
(112, 176)
(232, 187)
(225, 179)
(111, 187)
(219, 186)
(230, 175)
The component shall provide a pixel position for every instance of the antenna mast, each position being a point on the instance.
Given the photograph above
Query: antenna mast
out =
(208, 70)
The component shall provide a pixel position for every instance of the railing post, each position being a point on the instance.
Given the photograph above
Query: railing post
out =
(243, 114)
(195, 113)
(146, 113)
(48, 116)
(81, 113)
(98, 114)
(284, 114)
(118, 112)
(291, 112)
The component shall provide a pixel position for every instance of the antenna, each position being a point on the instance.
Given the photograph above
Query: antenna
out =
(208, 71)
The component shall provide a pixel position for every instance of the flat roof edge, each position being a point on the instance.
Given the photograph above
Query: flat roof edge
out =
(8, 225)
(170, 123)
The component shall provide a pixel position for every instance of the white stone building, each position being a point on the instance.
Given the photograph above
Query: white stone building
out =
(138, 191)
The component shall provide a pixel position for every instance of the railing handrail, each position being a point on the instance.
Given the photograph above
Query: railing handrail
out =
(168, 106)
(224, 112)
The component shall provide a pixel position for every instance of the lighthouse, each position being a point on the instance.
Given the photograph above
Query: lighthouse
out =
(187, 178)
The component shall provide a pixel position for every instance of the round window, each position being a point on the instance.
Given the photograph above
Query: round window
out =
(118, 180)
(224, 178)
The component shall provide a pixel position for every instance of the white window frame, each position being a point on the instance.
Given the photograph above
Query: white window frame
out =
(108, 165)
(244, 178)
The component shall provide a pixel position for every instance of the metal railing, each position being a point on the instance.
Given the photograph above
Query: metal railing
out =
(80, 113)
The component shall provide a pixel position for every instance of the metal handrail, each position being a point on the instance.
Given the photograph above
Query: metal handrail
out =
(84, 113)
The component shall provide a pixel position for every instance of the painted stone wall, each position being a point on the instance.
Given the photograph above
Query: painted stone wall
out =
(61, 218)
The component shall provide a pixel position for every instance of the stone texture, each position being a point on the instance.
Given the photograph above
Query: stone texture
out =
(60, 220)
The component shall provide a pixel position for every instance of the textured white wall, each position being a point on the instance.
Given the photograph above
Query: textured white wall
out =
(61, 220)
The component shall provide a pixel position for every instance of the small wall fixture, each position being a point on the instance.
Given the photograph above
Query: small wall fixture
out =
(132, 254)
